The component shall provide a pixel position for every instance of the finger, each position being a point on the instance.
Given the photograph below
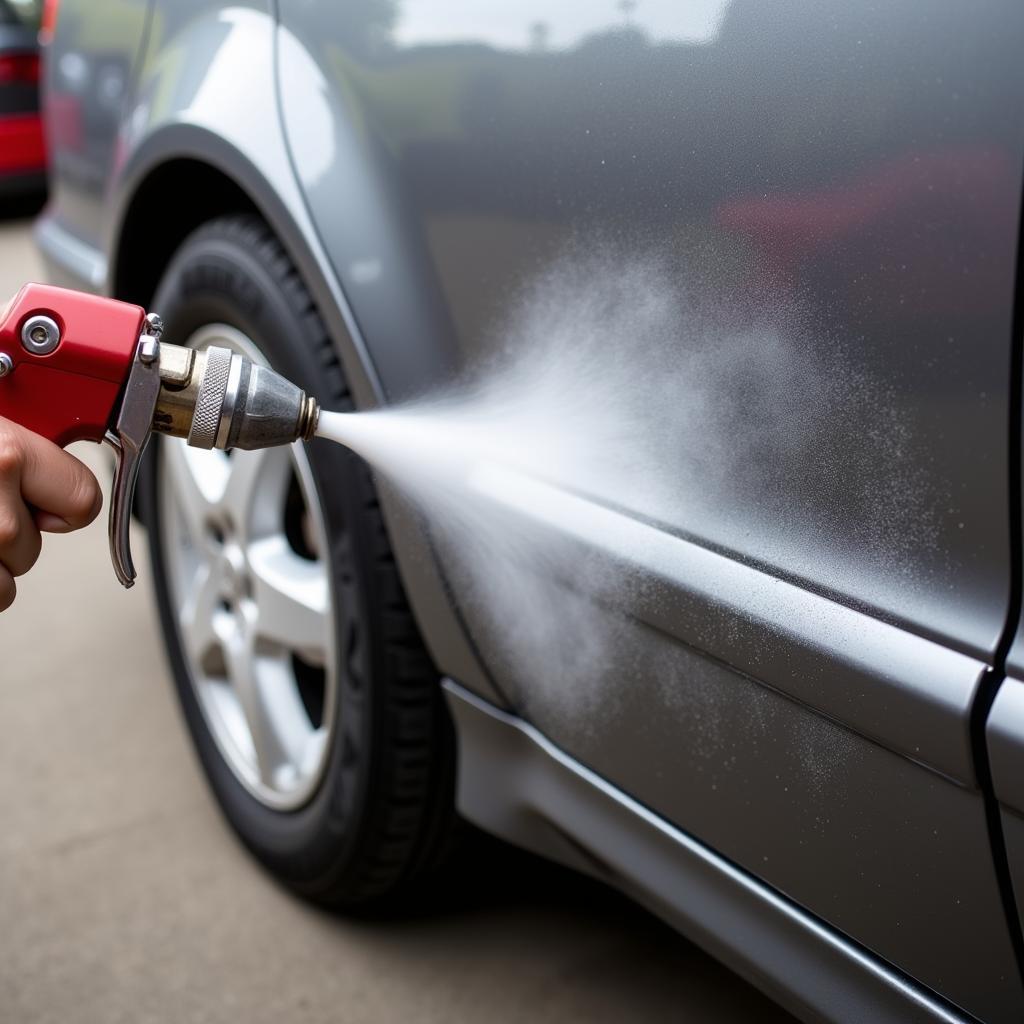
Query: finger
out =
(20, 542)
(8, 589)
(54, 481)
(47, 522)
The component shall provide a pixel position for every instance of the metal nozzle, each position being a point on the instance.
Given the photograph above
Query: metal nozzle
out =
(219, 399)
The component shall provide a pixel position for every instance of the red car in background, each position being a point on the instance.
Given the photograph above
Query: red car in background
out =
(22, 143)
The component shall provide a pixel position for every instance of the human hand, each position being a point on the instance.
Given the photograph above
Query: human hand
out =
(43, 489)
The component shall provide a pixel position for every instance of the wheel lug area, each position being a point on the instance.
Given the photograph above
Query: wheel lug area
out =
(220, 529)
(236, 585)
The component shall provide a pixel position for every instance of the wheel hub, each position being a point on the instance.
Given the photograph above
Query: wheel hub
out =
(235, 574)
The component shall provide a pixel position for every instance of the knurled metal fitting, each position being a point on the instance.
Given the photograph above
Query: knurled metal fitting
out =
(210, 400)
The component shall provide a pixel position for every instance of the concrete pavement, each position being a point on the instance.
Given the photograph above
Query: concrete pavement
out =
(124, 898)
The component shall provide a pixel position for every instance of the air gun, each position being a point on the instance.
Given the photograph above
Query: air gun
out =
(77, 367)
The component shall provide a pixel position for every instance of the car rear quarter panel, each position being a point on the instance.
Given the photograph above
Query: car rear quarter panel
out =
(206, 91)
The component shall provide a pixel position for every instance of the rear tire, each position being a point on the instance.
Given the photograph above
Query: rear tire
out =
(380, 814)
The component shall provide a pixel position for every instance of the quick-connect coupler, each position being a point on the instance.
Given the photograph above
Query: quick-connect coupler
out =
(216, 398)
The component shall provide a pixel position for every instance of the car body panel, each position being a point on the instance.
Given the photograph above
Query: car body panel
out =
(800, 687)
(857, 171)
(487, 216)
(1013, 836)
(519, 785)
(1005, 733)
(22, 150)
(22, 147)
(18, 95)
(86, 90)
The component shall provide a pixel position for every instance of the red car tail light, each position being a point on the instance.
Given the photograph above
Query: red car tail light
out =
(19, 68)
(48, 21)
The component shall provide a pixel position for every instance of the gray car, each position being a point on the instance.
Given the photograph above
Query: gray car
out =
(773, 688)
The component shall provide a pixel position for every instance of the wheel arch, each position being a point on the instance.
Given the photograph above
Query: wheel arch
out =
(169, 203)
(184, 175)
(172, 184)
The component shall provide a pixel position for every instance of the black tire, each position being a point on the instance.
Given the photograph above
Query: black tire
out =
(382, 815)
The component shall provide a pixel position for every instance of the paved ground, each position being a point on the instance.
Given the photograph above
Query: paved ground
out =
(123, 898)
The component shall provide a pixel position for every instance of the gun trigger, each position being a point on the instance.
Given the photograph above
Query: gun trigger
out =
(129, 440)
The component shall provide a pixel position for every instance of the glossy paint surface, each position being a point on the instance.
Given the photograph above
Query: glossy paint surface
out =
(22, 148)
(849, 174)
(855, 168)
(88, 83)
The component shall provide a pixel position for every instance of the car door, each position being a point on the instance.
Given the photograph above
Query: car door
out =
(790, 233)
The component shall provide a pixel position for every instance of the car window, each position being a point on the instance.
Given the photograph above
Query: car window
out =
(23, 12)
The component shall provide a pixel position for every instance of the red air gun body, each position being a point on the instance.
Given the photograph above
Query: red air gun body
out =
(69, 393)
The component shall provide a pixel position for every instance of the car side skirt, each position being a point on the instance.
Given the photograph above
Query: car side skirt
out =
(513, 782)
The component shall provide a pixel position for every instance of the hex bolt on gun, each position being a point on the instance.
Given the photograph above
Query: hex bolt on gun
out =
(76, 367)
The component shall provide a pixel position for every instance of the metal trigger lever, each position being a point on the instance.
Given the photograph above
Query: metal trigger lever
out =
(129, 439)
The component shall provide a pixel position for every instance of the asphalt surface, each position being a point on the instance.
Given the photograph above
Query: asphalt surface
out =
(123, 896)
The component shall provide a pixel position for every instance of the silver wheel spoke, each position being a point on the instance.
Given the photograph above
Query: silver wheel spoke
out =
(286, 714)
(255, 489)
(316, 748)
(292, 596)
(198, 611)
(245, 681)
(199, 479)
